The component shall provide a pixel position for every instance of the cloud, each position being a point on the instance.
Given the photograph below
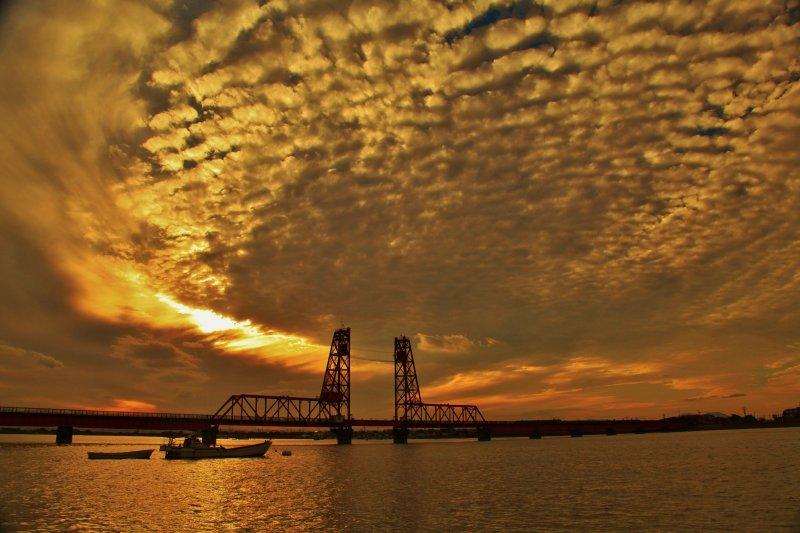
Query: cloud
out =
(443, 343)
(148, 353)
(594, 186)
(17, 357)
(715, 396)
(131, 405)
(451, 343)
(598, 368)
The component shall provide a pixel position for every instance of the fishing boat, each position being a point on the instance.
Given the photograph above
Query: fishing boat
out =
(135, 454)
(193, 448)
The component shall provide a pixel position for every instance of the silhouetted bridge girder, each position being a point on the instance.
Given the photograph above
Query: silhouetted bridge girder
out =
(92, 419)
(331, 409)
(263, 410)
(442, 414)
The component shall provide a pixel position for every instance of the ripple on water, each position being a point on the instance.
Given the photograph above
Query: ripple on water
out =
(704, 480)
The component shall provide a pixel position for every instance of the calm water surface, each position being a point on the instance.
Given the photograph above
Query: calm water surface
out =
(718, 480)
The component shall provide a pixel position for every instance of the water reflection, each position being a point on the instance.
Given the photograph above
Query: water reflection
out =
(716, 480)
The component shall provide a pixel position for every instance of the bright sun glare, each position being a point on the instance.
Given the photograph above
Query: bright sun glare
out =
(205, 320)
(240, 335)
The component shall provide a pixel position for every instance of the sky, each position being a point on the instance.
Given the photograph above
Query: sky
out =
(573, 208)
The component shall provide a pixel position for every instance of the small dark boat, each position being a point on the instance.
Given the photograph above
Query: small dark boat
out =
(193, 448)
(136, 454)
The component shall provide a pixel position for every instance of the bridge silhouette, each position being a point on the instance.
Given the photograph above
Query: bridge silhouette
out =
(331, 409)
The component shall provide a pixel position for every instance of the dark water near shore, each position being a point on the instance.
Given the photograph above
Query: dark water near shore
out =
(746, 480)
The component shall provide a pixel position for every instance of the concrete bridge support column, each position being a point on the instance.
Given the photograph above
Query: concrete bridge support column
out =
(400, 435)
(484, 434)
(209, 436)
(64, 435)
(344, 435)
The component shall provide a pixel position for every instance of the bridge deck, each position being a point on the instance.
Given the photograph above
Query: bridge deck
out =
(95, 419)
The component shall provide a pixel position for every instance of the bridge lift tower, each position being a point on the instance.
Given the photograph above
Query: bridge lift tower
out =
(411, 411)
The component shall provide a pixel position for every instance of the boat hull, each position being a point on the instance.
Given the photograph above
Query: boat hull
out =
(136, 454)
(217, 452)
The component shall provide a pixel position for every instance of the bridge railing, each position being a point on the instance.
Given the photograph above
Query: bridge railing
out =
(90, 412)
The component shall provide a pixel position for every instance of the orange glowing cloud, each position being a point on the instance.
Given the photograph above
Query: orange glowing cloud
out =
(583, 367)
(132, 405)
(465, 383)
(119, 404)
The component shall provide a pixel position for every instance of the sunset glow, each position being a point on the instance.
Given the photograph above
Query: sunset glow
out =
(571, 208)
(209, 321)
(243, 335)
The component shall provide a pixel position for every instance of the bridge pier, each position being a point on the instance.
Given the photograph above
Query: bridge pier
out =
(64, 434)
(484, 434)
(344, 435)
(400, 435)
(209, 436)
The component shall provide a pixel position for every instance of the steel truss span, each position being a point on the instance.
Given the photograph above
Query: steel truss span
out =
(254, 409)
(444, 414)
(332, 407)
(409, 409)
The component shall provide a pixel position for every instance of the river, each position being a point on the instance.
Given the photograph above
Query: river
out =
(740, 480)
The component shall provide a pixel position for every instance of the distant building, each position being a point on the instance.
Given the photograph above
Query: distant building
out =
(792, 413)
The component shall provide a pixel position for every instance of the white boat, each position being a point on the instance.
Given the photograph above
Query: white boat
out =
(136, 454)
(192, 448)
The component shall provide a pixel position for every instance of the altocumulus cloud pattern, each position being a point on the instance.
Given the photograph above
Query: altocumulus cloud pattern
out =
(587, 208)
